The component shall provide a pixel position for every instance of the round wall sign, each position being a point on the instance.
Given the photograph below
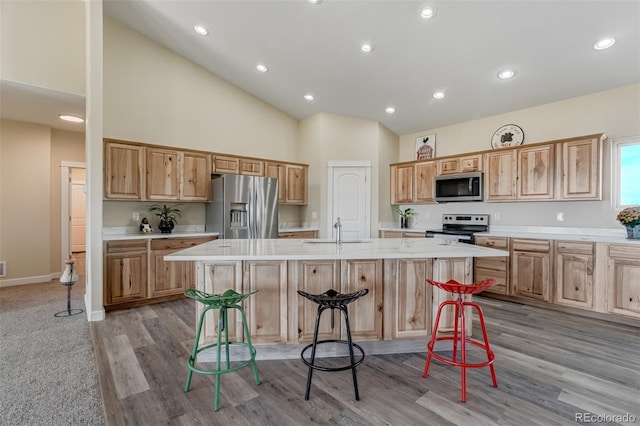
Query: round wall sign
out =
(507, 135)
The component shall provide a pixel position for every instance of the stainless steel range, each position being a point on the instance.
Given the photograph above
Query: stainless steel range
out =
(460, 227)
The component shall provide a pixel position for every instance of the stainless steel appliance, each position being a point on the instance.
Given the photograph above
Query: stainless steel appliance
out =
(243, 207)
(460, 227)
(459, 187)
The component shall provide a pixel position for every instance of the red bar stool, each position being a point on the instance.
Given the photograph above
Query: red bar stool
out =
(459, 304)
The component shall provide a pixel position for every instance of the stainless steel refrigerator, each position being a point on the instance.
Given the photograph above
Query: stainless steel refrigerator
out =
(243, 207)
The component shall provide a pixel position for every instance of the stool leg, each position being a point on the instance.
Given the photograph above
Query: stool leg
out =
(221, 313)
(494, 379)
(456, 325)
(432, 341)
(248, 337)
(343, 308)
(313, 351)
(463, 349)
(192, 360)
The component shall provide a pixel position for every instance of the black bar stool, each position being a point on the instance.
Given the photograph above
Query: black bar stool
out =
(331, 299)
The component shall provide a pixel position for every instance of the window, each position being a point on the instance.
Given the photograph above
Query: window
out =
(625, 166)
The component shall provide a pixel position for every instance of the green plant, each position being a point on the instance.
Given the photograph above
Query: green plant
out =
(406, 212)
(629, 216)
(165, 212)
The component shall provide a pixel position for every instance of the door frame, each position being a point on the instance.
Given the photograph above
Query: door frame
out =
(366, 165)
(65, 207)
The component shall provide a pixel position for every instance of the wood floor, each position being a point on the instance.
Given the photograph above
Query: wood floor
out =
(551, 367)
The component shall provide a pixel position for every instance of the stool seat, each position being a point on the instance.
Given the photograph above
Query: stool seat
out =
(459, 334)
(331, 299)
(230, 299)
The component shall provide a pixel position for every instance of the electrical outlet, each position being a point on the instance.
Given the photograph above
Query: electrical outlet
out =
(560, 216)
(135, 216)
(314, 215)
(496, 216)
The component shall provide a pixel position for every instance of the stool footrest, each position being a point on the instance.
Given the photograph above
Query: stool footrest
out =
(341, 368)
(491, 356)
(252, 356)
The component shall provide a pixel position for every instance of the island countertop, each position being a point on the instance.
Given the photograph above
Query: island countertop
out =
(319, 249)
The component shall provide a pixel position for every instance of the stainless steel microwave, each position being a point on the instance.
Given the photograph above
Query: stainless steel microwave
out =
(460, 187)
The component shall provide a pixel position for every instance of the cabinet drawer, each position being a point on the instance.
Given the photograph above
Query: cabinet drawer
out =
(300, 234)
(574, 247)
(542, 246)
(493, 242)
(251, 167)
(471, 164)
(625, 251)
(115, 247)
(178, 243)
(449, 166)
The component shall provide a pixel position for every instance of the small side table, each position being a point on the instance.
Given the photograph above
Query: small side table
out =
(68, 279)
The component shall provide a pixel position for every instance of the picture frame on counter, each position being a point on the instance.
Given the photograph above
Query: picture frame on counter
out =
(425, 147)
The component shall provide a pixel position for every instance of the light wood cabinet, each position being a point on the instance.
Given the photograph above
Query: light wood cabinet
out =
(402, 183)
(496, 268)
(425, 174)
(163, 173)
(226, 164)
(536, 173)
(278, 171)
(365, 314)
(574, 285)
(462, 164)
(580, 165)
(195, 177)
(296, 184)
(401, 234)
(251, 167)
(125, 272)
(216, 278)
(500, 175)
(409, 313)
(267, 309)
(531, 268)
(460, 270)
(124, 171)
(301, 234)
(623, 280)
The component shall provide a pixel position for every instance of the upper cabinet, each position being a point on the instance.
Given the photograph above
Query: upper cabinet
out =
(195, 179)
(225, 164)
(163, 171)
(580, 166)
(296, 183)
(402, 183)
(464, 164)
(124, 171)
(251, 167)
(535, 173)
(500, 175)
(425, 175)
(278, 171)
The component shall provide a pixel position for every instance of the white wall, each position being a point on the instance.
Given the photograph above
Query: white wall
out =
(615, 112)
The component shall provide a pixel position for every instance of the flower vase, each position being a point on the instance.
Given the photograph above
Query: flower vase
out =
(633, 232)
(403, 222)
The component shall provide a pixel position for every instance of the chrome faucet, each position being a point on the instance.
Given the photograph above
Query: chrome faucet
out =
(338, 227)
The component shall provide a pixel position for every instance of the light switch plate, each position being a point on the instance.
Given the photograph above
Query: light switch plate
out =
(135, 216)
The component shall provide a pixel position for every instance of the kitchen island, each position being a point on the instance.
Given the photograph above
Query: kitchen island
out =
(400, 304)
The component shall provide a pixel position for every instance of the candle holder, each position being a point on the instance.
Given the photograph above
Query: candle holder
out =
(68, 279)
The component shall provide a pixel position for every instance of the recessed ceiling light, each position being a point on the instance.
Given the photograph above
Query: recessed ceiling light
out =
(438, 95)
(309, 97)
(428, 12)
(262, 68)
(390, 110)
(72, 118)
(367, 47)
(605, 43)
(315, 1)
(201, 30)
(506, 74)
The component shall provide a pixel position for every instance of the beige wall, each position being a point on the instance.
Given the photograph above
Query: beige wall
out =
(153, 95)
(615, 112)
(42, 43)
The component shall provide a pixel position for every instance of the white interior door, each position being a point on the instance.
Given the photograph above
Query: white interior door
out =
(350, 199)
(78, 214)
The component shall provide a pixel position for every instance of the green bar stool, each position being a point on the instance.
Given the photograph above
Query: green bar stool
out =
(223, 302)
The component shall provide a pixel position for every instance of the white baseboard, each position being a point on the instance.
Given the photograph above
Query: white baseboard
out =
(98, 315)
(29, 280)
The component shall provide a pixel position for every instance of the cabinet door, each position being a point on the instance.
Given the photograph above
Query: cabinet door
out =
(224, 164)
(425, 178)
(449, 166)
(162, 174)
(500, 175)
(531, 268)
(496, 268)
(296, 192)
(461, 270)
(581, 169)
(410, 314)
(391, 234)
(251, 167)
(278, 171)
(124, 171)
(365, 314)
(216, 278)
(574, 274)
(313, 277)
(471, 163)
(623, 280)
(402, 184)
(267, 309)
(536, 173)
(195, 179)
(298, 235)
(126, 277)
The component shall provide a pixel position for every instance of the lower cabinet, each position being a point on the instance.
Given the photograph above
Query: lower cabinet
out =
(365, 314)
(531, 268)
(125, 271)
(496, 268)
(623, 280)
(298, 234)
(574, 274)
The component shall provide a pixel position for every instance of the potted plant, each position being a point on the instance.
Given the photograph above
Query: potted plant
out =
(630, 218)
(405, 215)
(168, 216)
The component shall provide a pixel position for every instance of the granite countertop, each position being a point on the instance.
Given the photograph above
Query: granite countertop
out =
(323, 249)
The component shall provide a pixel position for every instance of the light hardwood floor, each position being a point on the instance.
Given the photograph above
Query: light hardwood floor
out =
(551, 367)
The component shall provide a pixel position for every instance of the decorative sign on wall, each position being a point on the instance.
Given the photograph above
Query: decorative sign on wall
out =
(425, 147)
(507, 135)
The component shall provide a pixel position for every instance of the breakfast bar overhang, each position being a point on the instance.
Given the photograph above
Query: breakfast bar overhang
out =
(400, 304)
